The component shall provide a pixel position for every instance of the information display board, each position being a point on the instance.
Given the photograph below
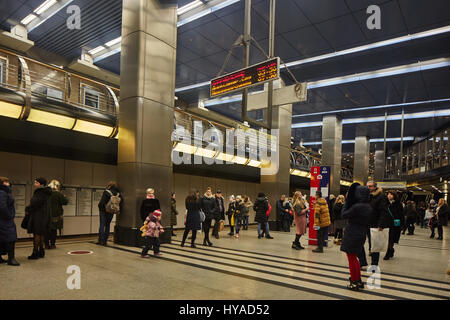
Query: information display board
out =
(71, 195)
(84, 202)
(245, 78)
(96, 197)
(320, 181)
(19, 194)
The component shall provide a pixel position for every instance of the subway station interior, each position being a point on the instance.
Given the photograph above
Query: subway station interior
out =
(240, 96)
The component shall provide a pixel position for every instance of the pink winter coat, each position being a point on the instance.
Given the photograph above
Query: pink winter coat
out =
(153, 228)
(300, 218)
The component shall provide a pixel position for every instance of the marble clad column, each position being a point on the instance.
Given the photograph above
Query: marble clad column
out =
(380, 165)
(361, 161)
(147, 77)
(332, 150)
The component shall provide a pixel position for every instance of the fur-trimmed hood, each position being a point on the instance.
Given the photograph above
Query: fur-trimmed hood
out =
(377, 192)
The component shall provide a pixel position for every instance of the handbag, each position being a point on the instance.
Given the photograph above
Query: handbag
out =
(202, 216)
(397, 222)
(221, 225)
(25, 222)
(379, 239)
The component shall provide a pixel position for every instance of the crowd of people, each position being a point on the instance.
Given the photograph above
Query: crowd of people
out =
(348, 218)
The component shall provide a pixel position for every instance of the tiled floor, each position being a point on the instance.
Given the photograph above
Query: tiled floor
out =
(233, 269)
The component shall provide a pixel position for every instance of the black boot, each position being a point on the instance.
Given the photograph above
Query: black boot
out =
(295, 246)
(204, 242)
(41, 253)
(359, 283)
(13, 262)
(34, 255)
(388, 254)
(353, 285)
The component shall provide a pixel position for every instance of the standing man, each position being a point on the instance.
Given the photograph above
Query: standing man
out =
(219, 214)
(282, 210)
(379, 218)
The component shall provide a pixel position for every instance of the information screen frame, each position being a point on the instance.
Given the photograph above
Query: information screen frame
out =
(249, 71)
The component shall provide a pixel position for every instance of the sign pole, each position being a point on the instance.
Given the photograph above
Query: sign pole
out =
(246, 41)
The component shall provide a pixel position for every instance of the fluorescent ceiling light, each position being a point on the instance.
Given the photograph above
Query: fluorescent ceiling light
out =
(51, 119)
(189, 6)
(394, 117)
(28, 19)
(96, 50)
(240, 160)
(113, 42)
(93, 128)
(254, 163)
(375, 140)
(44, 6)
(386, 106)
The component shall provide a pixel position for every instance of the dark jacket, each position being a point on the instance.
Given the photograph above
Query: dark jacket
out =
(357, 211)
(443, 215)
(261, 206)
(380, 216)
(396, 208)
(231, 209)
(337, 211)
(39, 210)
(193, 215)
(281, 210)
(239, 212)
(8, 232)
(173, 212)
(209, 206)
(331, 208)
(148, 206)
(410, 214)
(57, 200)
(106, 197)
(220, 214)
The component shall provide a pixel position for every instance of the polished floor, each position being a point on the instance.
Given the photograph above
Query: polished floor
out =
(233, 269)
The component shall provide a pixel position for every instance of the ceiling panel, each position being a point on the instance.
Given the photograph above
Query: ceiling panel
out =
(342, 32)
(219, 33)
(307, 41)
(184, 54)
(357, 5)
(197, 43)
(421, 14)
(322, 10)
(392, 24)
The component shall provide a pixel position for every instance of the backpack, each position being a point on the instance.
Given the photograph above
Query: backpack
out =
(268, 210)
(113, 205)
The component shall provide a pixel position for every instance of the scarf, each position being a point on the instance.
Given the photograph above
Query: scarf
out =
(151, 196)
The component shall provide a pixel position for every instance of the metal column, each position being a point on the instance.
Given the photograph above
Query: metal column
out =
(361, 164)
(148, 58)
(332, 150)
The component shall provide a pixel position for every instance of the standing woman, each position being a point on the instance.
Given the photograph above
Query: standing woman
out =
(173, 213)
(149, 204)
(300, 209)
(339, 222)
(411, 217)
(230, 213)
(442, 215)
(209, 207)
(395, 210)
(238, 214)
(246, 213)
(261, 207)
(57, 200)
(39, 220)
(357, 211)
(8, 232)
(112, 189)
(192, 218)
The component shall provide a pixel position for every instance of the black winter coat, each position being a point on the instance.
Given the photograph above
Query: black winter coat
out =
(220, 214)
(380, 216)
(357, 212)
(261, 206)
(148, 206)
(337, 211)
(443, 215)
(8, 232)
(40, 211)
(410, 214)
(239, 212)
(209, 207)
(396, 209)
(193, 215)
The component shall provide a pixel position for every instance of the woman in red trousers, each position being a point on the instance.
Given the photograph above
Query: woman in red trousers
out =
(357, 211)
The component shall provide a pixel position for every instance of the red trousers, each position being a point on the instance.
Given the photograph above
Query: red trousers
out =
(353, 265)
